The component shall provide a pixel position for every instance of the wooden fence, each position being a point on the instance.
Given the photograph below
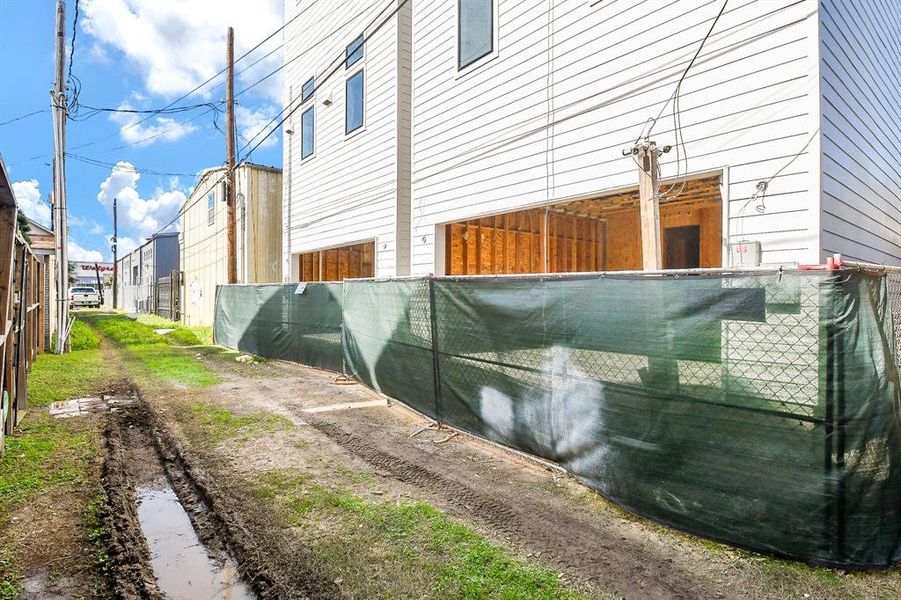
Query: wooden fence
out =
(23, 303)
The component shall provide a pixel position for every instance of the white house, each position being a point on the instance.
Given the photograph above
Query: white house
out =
(520, 115)
(203, 242)
(347, 152)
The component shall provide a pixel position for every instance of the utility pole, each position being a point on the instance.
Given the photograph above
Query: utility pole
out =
(115, 256)
(647, 155)
(58, 105)
(230, 156)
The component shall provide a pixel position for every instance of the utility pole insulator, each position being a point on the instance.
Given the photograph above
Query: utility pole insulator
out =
(230, 157)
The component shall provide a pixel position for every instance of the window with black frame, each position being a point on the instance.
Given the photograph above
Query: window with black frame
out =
(475, 31)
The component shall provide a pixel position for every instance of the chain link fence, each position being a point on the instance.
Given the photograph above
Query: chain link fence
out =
(758, 408)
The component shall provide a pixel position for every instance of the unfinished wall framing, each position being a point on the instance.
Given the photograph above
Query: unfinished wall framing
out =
(337, 264)
(595, 234)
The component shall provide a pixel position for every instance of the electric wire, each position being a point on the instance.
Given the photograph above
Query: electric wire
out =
(684, 73)
(318, 84)
(224, 173)
(25, 116)
(201, 85)
(105, 164)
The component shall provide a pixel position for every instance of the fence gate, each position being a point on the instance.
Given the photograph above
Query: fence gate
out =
(168, 297)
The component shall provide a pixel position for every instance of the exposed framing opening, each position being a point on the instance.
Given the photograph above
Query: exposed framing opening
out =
(337, 264)
(594, 234)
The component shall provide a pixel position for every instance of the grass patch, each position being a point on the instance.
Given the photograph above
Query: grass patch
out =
(218, 424)
(83, 337)
(56, 377)
(402, 549)
(44, 453)
(180, 335)
(125, 331)
(152, 352)
(173, 365)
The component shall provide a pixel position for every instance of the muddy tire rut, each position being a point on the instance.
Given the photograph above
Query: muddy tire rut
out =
(134, 439)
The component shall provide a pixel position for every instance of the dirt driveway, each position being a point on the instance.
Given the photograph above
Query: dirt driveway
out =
(542, 514)
(317, 487)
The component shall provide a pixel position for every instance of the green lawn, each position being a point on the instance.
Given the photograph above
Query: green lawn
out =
(82, 372)
(411, 548)
(155, 355)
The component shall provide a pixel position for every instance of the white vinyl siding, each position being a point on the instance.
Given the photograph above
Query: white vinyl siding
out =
(572, 85)
(348, 191)
(861, 128)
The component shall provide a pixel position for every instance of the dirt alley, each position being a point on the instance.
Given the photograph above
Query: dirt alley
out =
(541, 513)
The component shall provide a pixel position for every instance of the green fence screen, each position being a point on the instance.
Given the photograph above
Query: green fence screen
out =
(761, 408)
(282, 321)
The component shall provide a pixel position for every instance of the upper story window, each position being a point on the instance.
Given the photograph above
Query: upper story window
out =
(307, 132)
(353, 110)
(306, 92)
(307, 120)
(475, 30)
(354, 52)
(210, 208)
(354, 89)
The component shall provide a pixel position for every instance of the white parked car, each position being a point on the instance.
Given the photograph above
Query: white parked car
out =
(84, 296)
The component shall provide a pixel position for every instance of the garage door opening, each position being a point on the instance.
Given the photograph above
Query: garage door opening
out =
(336, 264)
(596, 234)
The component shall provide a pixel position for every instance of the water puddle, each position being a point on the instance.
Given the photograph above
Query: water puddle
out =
(66, 409)
(183, 567)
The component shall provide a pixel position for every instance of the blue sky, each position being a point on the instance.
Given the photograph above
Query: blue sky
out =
(131, 54)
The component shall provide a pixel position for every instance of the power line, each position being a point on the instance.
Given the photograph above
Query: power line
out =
(257, 82)
(71, 80)
(105, 164)
(222, 176)
(328, 76)
(684, 73)
(204, 83)
(19, 118)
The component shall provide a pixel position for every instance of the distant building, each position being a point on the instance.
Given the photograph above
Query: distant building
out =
(140, 270)
(258, 236)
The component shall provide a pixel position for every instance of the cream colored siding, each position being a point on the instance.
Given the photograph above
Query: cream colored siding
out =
(861, 127)
(203, 249)
(347, 192)
(574, 82)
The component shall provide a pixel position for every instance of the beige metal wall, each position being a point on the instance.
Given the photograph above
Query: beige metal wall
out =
(203, 240)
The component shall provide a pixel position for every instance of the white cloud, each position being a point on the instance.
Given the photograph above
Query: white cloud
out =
(142, 216)
(176, 45)
(28, 197)
(125, 245)
(250, 122)
(134, 130)
(80, 253)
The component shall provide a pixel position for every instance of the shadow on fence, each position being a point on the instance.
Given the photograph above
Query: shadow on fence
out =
(758, 408)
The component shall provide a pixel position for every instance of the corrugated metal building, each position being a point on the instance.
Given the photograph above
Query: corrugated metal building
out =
(139, 271)
(258, 241)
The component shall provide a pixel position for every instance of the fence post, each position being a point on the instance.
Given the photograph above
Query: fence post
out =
(835, 424)
(436, 370)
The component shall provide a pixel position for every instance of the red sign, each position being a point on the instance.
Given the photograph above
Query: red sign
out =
(101, 268)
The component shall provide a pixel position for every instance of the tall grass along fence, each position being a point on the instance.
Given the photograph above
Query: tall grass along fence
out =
(758, 408)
